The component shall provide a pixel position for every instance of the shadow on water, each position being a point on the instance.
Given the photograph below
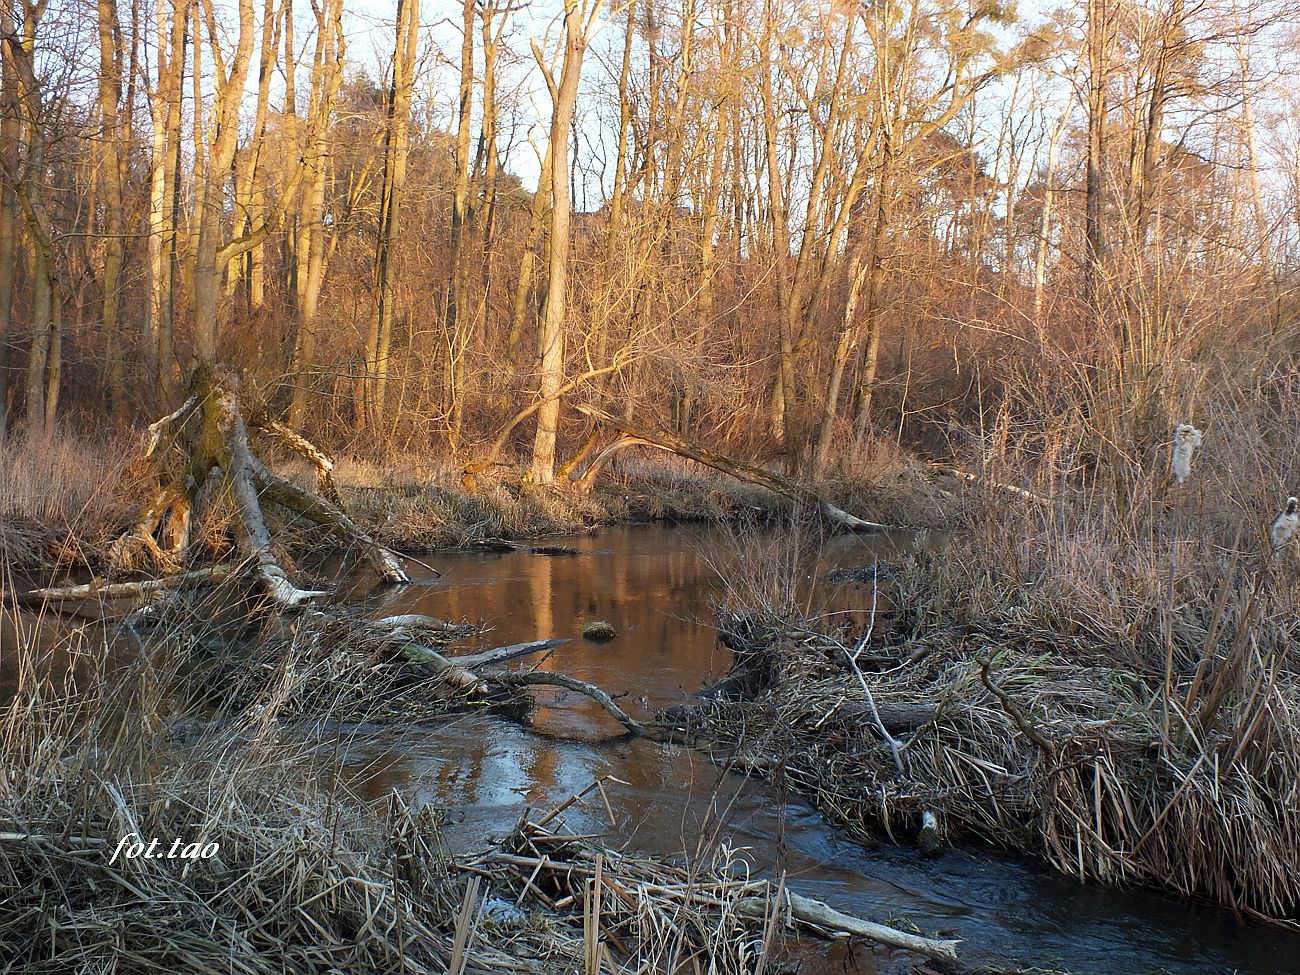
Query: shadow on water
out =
(656, 587)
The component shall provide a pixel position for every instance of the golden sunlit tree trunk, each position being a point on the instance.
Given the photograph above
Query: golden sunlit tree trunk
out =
(327, 75)
(165, 195)
(1098, 61)
(213, 159)
(10, 132)
(580, 17)
(28, 185)
(248, 166)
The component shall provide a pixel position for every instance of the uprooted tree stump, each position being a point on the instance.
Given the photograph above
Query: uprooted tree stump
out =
(208, 476)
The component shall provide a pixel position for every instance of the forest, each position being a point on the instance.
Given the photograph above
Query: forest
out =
(932, 365)
(778, 228)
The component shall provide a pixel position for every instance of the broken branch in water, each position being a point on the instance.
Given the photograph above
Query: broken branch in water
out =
(502, 654)
(508, 679)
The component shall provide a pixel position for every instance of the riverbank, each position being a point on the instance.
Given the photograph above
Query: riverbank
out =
(1113, 691)
(64, 501)
(116, 759)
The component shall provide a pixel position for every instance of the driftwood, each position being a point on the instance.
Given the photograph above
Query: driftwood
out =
(414, 621)
(462, 678)
(535, 678)
(821, 915)
(466, 671)
(98, 589)
(741, 471)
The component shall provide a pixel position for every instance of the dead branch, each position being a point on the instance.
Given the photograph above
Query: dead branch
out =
(277, 432)
(99, 589)
(741, 471)
(535, 678)
(502, 654)
(1026, 726)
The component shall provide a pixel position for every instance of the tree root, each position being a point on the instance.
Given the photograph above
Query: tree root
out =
(203, 460)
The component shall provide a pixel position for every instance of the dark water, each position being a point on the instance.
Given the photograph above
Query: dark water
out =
(656, 586)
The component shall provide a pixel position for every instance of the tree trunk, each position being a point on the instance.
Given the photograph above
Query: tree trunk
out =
(1098, 75)
(460, 206)
(10, 132)
(578, 21)
(213, 159)
(113, 167)
(784, 398)
(327, 75)
(845, 348)
(396, 148)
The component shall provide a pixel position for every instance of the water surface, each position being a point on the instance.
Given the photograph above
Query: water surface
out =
(657, 587)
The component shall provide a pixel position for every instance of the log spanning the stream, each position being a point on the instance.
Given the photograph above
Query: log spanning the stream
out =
(663, 440)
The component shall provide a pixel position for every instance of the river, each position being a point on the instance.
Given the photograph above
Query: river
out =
(657, 586)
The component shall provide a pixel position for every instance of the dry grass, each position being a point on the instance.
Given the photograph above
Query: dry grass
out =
(63, 499)
(1138, 718)
(306, 878)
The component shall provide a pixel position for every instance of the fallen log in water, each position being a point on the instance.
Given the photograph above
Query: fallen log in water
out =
(808, 911)
(535, 678)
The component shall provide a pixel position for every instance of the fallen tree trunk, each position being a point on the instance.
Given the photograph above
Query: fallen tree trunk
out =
(328, 515)
(822, 915)
(774, 482)
(205, 463)
(98, 589)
